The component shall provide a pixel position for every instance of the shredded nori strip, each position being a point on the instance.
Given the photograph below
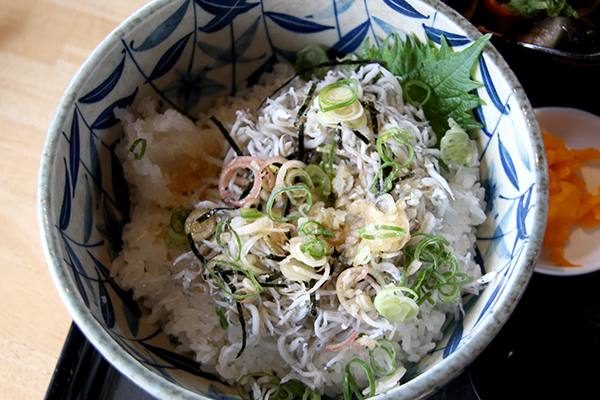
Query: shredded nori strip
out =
(306, 103)
(301, 141)
(338, 139)
(212, 212)
(247, 189)
(195, 249)
(227, 136)
(240, 310)
(370, 107)
(276, 275)
(276, 285)
(313, 299)
(361, 137)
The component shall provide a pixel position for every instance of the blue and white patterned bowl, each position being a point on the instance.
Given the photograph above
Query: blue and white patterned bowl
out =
(185, 53)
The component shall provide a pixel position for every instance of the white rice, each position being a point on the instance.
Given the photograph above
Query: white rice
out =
(181, 168)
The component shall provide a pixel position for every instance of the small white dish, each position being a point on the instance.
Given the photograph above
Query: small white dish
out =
(578, 129)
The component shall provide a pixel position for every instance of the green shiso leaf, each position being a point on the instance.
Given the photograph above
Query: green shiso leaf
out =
(446, 72)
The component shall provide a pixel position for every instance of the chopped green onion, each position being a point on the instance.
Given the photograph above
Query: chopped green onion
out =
(319, 179)
(250, 213)
(295, 389)
(390, 352)
(416, 93)
(387, 158)
(395, 305)
(442, 277)
(230, 291)
(338, 95)
(349, 383)
(276, 382)
(327, 162)
(138, 154)
(456, 146)
(225, 246)
(319, 230)
(403, 138)
(222, 318)
(174, 233)
(316, 248)
(311, 394)
(374, 232)
(288, 189)
(310, 57)
(298, 176)
(388, 183)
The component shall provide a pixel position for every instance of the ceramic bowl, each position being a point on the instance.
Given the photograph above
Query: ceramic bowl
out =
(186, 53)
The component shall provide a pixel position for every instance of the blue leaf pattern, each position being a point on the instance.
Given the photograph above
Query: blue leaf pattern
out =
(337, 8)
(508, 165)
(452, 38)
(101, 91)
(74, 149)
(65, 210)
(403, 7)
(164, 30)
(479, 117)
(352, 40)
(455, 337)
(95, 165)
(296, 24)
(88, 212)
(217, 394)
(224, 11)
(107, 118)
(169, 59)
(233, 53)
(387, 28)
(106, 306)
(181, 362)
(490, 88)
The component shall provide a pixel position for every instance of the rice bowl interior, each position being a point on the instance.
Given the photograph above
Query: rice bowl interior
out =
(105, 236)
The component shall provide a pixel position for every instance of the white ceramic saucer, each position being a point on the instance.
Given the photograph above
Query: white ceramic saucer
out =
(578, 129)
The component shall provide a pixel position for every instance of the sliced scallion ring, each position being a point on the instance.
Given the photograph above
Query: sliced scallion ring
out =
(349, 383)
(289, 189)
(374, 232)
(138, 154)
(416, 93)
(397, 303)
(391, 352)
(403, 138)
(276, 383)
(236, 267)
(339, 94)
(250, 213)
(316, 248)
(225, 246)
(319, 230)
(319, 179)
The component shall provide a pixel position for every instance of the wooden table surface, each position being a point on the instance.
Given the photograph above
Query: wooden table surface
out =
(42, 44)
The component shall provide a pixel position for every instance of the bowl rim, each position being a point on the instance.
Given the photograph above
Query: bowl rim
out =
(82, 316)
(418, 387)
